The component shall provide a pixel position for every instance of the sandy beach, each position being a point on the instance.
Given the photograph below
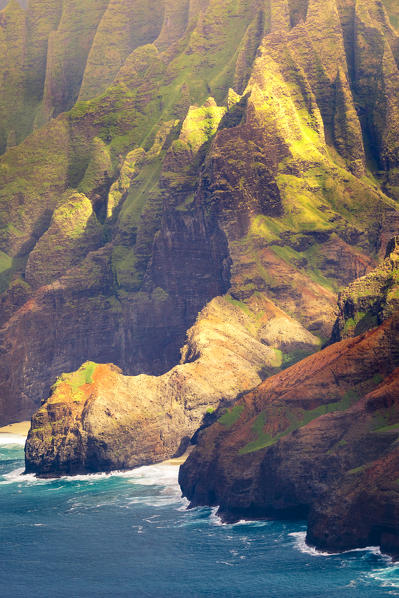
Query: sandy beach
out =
(18, 429)
(179, 460)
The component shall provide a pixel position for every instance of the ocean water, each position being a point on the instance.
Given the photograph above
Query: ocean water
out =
(130, 535)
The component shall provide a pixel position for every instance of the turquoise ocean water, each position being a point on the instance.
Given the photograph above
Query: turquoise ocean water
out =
(130, 535)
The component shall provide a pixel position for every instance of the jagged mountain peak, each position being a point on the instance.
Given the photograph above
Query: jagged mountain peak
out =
(285, 180)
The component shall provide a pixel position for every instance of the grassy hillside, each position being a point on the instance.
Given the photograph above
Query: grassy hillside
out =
(232, 148)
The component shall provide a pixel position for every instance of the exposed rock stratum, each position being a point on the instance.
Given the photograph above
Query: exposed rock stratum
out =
(237, 149)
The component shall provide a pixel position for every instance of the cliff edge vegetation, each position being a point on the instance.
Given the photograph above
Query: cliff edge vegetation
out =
(317, 442)
(237, 149)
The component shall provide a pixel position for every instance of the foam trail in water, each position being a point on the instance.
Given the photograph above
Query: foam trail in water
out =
(300, 544)
(387, 578)
(165, 476)
(215, 519)
(12, 439)
(152, 475)
(17, 477)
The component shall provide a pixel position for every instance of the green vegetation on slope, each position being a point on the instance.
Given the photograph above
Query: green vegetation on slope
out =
(219, 118)
(298, 418)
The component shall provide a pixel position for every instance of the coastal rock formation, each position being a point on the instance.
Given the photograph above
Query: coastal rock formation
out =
(185, 186)
(96, 419)
(225, 148)
(317, 441)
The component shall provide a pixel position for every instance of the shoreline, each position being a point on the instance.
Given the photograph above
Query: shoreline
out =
(22, 429)
(178, 460)
(17, 429)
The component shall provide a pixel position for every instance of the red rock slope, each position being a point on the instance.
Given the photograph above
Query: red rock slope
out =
(319, 440)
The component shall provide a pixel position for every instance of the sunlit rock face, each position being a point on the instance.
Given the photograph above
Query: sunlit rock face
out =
(318, 441)
(97, 419)
(244, 150)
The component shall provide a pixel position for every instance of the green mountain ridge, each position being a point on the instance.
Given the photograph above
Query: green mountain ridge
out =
(245, 149)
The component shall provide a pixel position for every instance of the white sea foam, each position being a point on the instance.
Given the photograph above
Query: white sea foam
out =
(387, 577)
(255, 523)
(149, 475)
(300, 544)
(94, 477)
(17, 476)
(152, 475)
(12, 439)
(164, 476)
(215, 519)
(154, 501)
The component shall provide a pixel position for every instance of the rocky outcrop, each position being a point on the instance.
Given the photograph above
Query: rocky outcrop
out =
(197, 189)
(74, 231)
(139, 330)
(370, 300)
(317, 441)
(97, 419)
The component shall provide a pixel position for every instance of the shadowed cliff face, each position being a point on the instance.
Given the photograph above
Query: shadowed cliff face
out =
(140, 330)
(208, 148)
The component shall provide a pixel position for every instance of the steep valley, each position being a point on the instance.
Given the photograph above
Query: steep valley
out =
(253, 176)
(186, 186)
